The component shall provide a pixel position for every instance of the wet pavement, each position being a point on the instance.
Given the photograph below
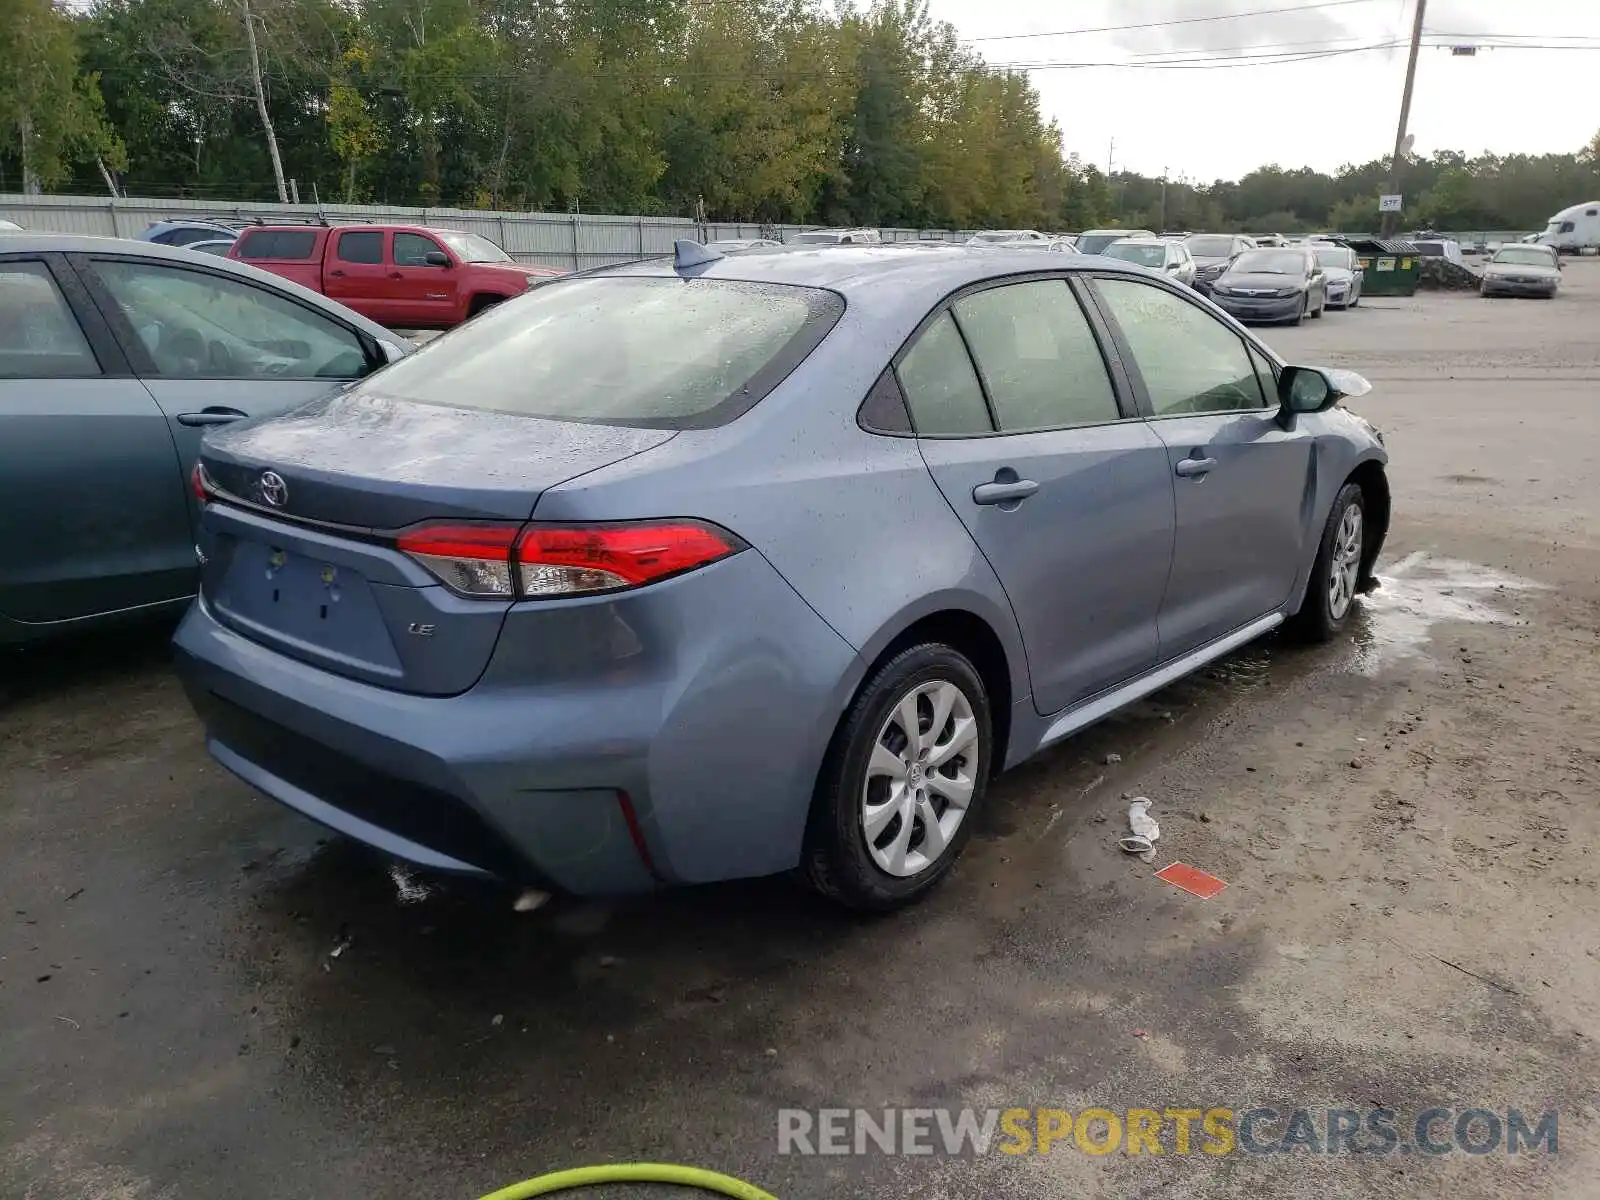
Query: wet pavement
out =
(201, 995)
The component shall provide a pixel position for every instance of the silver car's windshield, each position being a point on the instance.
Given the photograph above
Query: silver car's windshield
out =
(1271, 262)
(1335, 256)
(661, 353)
(1210, 246)
(1523, 256)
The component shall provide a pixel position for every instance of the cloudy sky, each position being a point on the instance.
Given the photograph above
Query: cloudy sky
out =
(1204, 122)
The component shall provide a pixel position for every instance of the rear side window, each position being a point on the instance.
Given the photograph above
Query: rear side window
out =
(364, 247)
(941, 386)
(1038, 357)
(188, 237)
(651, 352)
(288, 244)
(39, 336)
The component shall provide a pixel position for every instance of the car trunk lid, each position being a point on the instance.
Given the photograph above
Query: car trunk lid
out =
(298, 545)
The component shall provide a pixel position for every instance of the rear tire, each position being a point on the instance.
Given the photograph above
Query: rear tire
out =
(869, 842)
(1336, 573)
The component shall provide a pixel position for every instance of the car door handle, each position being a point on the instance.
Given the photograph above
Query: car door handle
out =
(1005, 492)
(336, 273)
(396, 275)
(210, 416)
(1194, 468)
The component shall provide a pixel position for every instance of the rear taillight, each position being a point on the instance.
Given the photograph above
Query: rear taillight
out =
(200, 483)
(545, 561)
(474, 560)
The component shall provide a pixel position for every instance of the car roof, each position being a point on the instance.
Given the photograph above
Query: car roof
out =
(78, 243)
(887, 279)
(1141, 240)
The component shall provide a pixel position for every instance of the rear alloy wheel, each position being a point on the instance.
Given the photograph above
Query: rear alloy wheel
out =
(1336, 574)
(907, 770)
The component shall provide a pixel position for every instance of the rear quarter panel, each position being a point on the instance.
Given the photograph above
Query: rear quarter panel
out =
(852, 520)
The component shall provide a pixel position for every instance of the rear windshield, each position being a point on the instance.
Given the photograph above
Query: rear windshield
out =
(278, 243)
(650, 352)
(1145, 256)
(1210, 245)
(1430, 249)
(1334, 256)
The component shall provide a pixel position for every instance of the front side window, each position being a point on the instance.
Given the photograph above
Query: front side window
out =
(941, 385)
(364, 246)
(1038, 356)
(412, 249)
(652, 352)
(39, 336)
(1190, 361)
(195, 325)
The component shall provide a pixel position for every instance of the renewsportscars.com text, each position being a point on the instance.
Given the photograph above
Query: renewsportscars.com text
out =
(1179, 1130)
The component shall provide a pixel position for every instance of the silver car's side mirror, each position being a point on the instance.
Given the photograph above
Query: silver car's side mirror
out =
(391, 352)
(1317, 389)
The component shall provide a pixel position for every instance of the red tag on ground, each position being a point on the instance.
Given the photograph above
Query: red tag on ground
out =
(1192, 880)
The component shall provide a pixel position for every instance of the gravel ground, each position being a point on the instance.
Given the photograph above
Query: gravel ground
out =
(1405, 822)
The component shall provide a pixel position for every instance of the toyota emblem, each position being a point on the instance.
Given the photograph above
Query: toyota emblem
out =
(274, 490)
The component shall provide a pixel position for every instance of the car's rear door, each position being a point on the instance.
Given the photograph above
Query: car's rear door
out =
(355, 273)
(1241, 480)
(92, 516)
(212, 348)
(1065, 490)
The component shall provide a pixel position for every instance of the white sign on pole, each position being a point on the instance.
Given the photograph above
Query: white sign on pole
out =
(1388, 203)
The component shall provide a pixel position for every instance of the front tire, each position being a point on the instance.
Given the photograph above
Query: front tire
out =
(1301, 315)
(1336, 573)
(902, 782)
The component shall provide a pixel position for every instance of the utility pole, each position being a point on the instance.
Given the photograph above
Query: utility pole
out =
(1111, 154)
(1163, 200)
(1405, 115)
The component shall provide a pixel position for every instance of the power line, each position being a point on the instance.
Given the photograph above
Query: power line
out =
(1260, 12)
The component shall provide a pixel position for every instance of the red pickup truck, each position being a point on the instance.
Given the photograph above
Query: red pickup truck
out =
(403, 276)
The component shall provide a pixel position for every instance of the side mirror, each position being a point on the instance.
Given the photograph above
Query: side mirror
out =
(436, 258)
(1316, 389)
(391, 352)
(1173, 266)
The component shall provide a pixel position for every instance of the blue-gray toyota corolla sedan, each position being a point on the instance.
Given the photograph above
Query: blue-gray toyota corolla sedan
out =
(715, 567)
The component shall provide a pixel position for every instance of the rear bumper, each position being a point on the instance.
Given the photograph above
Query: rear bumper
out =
(708, 703)
(1250, 308)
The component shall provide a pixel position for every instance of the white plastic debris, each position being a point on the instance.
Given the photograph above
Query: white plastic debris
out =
(408, 888)
(1143, 832)
(529, 900)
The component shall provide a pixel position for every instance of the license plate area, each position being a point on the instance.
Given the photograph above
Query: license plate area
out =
(317, 608)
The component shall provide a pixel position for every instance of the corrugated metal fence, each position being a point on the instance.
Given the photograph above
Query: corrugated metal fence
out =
(574, 241)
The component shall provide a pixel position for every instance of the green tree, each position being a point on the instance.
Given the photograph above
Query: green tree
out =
(51, 112)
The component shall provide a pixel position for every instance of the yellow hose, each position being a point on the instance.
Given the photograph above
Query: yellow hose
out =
(693, 1177)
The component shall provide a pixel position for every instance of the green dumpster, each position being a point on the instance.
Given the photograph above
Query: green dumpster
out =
(1389, 267)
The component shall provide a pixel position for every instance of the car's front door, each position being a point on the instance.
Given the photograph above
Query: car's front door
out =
(1241, 479)
(1063, 488)
(213, 349)
(425, 293)
(92, 515)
